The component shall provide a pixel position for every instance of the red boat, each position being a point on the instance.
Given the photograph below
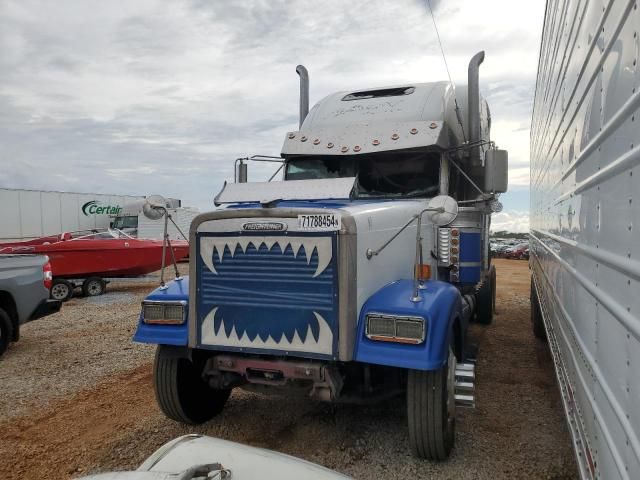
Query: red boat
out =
(96, 255)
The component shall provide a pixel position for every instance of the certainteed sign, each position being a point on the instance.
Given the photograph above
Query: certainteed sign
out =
(95, 207)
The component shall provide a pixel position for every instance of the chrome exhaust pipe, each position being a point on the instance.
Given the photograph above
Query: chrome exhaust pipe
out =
(464, 386)
(304, 92)
(473, 110)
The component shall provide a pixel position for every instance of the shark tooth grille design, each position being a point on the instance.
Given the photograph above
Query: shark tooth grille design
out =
(323, 343)
(321, 245)
(268, 292)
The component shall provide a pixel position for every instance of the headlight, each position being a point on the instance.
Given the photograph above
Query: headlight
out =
(391, 328)
(166, 313)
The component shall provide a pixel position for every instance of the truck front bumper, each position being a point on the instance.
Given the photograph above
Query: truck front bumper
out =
(46, 307)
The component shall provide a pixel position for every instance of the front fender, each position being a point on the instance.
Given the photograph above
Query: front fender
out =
(440, 305)
(166, 334)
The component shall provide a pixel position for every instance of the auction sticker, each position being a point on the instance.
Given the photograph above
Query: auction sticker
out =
(320, 222)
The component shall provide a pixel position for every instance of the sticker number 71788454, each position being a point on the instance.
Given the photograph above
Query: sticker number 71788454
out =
(319, 222)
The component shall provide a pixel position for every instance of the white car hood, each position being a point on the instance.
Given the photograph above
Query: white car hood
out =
(171, 460)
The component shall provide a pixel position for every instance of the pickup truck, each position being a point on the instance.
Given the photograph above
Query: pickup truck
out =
(24, 294)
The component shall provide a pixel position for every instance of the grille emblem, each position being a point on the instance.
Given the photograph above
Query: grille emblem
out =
(264, 226)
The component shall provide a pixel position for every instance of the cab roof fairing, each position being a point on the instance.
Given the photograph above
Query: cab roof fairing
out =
(424, 118)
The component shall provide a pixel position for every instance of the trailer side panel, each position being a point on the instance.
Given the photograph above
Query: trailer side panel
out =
(585, 219)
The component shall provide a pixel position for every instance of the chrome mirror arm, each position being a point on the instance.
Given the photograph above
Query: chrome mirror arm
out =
(372, 253)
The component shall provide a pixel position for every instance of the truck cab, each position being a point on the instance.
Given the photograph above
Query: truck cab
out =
(355, 276)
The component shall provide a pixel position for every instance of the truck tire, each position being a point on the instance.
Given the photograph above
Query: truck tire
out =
(61, 289)
(431, 411)
(181, 393)
(486, 298)
(6, 331)
(537, 323)
(93, 286)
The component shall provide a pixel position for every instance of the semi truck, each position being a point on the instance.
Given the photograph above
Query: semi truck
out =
(585, 247)
(354, 277)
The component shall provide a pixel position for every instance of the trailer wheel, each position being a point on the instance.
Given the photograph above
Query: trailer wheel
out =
(181, 392)
(93, 286)
(431, 411)
(537, 323)
(486, 299)
(6, 331)
(61, 289)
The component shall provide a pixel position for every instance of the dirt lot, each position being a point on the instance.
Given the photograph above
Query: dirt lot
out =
(76, 398)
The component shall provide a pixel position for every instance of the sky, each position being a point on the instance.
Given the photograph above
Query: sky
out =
(157, 97)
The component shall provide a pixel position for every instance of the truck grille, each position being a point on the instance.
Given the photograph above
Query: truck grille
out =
(268, 293)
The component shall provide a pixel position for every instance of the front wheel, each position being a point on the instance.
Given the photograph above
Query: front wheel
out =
(6, 331)
(431, 411)
(181, 392)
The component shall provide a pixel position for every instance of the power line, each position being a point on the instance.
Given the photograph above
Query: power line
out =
(446, 66)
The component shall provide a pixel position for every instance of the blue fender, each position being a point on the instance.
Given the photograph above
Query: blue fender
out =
(440, 304)
(166, 334)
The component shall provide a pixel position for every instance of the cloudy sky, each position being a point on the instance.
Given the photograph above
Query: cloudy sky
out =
(158, 96)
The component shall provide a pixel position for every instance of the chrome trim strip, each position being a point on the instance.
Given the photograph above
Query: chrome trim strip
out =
(619, 313)
(622, 163)
(347, 292)
(469, 264)
(573, 414)
(604, 55)
(596, 372)
(618, 119)
(622, 264)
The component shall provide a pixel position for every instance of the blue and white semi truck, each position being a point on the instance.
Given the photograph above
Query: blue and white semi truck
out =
(356, 276)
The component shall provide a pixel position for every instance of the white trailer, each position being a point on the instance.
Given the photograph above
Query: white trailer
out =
(28, 214)
(585, 216)
(133, 221)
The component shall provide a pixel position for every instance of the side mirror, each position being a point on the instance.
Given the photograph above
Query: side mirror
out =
(496, 173)
(444, 210)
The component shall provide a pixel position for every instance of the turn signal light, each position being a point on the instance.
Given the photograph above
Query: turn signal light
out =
(423, 272)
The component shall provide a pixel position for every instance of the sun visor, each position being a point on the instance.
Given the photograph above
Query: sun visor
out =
(267, 192)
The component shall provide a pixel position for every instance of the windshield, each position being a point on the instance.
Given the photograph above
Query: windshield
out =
(378, 175)
(125, 222)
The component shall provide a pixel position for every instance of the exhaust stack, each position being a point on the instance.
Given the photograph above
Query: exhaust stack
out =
(474, 105)
(304, 92)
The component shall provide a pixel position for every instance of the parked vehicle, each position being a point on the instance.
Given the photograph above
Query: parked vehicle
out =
(28, 214)
(517, 252)
(585, 152)
(193, 457)
(86, 259)
(24, 294)
(354, 278)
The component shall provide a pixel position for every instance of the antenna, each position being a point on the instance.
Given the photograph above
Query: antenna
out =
(446, 66)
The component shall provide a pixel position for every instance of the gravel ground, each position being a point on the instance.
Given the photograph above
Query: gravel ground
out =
(77, 397)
